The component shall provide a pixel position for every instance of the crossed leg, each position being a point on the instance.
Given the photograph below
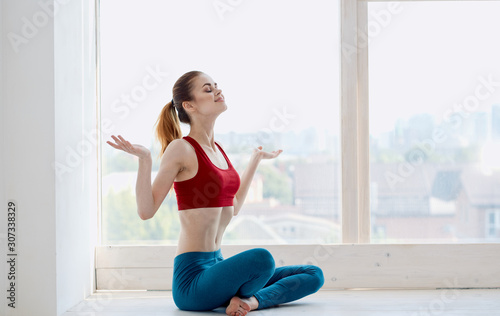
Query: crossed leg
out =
(287, 284)
(290, 283)
(249, 280)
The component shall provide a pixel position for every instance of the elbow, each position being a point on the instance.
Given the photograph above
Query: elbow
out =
(147, 213)
(144, 216)
(236, 206)
(236, 211)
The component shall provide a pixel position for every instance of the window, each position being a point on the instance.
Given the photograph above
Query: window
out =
(434, 120)
(380, 99)
(493, 224)
(281, 83)
(434, 109)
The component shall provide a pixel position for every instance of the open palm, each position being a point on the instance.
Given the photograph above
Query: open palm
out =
(266, 155)
(133, 149)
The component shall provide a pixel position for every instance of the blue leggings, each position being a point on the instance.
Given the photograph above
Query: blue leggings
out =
(205, 280)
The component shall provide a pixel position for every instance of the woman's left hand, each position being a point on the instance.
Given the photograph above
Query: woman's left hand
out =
(265, 155)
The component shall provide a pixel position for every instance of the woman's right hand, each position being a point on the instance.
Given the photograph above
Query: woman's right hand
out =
(134, 149)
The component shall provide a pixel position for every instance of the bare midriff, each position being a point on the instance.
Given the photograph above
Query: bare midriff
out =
(202, 228)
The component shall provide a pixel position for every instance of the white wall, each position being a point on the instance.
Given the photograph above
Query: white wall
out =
(28, 98)
(75, 137)
(48, 104)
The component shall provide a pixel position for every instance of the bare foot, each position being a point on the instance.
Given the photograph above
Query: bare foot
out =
(241, 306)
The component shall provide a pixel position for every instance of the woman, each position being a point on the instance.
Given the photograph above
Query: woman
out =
(209, 193)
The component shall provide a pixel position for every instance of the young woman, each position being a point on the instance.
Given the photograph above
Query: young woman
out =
(209, 193)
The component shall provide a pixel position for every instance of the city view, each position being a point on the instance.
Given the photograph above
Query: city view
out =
(420, 191)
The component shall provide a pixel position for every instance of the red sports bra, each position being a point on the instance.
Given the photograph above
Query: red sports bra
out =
(211, 186)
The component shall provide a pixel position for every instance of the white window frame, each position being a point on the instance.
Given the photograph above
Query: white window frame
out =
(355, 263)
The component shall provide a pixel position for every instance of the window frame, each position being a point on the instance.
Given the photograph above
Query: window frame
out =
(115, 271)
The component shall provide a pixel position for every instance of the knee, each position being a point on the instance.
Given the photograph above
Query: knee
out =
(317, 278)
(262, 259)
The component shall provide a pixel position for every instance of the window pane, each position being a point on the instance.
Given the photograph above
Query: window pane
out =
(277, 63)
(434, 76)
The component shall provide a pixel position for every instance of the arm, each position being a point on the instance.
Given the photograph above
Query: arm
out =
(143, 188)
(246, 180)
(247, 176)
(150, 196)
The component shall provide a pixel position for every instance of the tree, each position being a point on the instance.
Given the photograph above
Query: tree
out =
(122, 225)
(276, 184)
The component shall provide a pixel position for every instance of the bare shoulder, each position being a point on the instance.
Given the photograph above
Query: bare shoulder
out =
(178, 146)
(177, 152)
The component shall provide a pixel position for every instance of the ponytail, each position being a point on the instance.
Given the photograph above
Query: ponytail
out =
(168, 126)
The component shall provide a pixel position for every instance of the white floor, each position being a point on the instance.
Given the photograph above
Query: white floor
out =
(331, 303)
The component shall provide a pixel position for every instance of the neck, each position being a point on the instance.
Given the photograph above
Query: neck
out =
(203, 133)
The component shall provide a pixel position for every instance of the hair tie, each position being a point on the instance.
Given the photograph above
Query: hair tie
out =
(173, 103)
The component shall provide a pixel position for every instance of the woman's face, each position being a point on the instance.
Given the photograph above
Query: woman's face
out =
(207, 97)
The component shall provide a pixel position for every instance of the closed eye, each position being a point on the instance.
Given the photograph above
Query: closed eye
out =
(210, 85)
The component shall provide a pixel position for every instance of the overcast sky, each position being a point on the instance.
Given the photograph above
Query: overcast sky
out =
(283, 56)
